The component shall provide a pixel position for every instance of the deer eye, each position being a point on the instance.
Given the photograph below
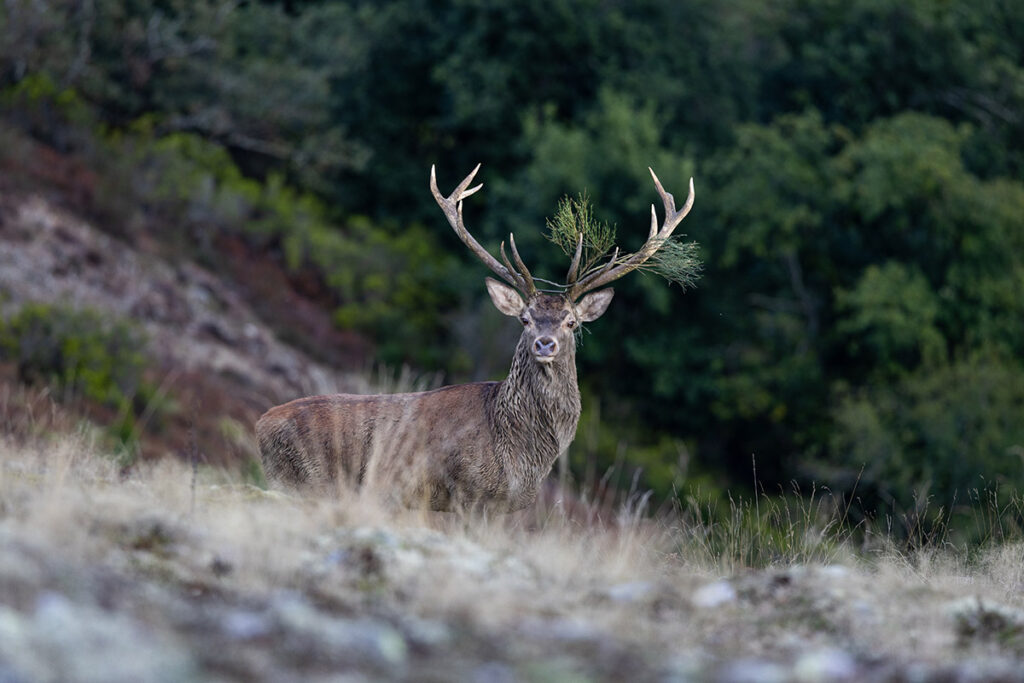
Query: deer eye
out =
(524, 320)
(571, 323)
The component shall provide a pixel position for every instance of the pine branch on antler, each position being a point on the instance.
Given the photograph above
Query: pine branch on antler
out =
(574, 223)
(676, 261)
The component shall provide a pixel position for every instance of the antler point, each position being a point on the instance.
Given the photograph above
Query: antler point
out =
(433, 183)
(472, 190)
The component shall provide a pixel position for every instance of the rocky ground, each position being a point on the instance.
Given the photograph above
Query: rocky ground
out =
(160, 577)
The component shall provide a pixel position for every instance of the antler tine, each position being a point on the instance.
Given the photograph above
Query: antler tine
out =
(672, 217)
(504, 257)
(452, 208)
(523, 270)
(613, 271)
(570, 277)
(525, 285)
(460, 191)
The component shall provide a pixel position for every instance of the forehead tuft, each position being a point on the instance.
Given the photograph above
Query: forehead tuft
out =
(551, 303)
(552, 307)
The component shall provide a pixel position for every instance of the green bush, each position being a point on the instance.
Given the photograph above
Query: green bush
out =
(83, 356)
(75, 351)
(55, 114)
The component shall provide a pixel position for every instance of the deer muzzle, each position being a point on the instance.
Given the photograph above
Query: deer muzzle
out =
(545, 349)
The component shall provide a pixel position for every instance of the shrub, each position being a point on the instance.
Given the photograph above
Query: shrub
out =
(82, 356)
(49, 112)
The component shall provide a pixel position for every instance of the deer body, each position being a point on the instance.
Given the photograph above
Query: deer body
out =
(458, 446)
(444, 465)
(481, 444)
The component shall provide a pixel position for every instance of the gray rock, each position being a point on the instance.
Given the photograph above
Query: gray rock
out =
(714, 594)
(64, 641)
(828, 664)
(751, 671)
(335, 639)
(631, 591)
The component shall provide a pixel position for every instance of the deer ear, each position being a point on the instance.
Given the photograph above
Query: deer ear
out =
(506, 299)
(593, 305)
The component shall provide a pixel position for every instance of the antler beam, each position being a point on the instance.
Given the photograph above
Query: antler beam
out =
(518, 277)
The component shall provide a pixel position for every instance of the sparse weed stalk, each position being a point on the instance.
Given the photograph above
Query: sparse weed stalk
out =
(996, 516)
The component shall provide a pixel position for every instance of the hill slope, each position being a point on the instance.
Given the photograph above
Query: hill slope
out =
(219, 361)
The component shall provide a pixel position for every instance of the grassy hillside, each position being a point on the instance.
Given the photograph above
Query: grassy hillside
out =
(174, 574)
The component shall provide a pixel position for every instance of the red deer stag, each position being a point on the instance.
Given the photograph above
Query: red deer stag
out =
(485, 443)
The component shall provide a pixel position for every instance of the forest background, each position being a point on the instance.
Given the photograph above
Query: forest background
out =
(859, 324)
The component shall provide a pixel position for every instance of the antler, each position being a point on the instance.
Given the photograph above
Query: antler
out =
(452, 207)
(617, 267)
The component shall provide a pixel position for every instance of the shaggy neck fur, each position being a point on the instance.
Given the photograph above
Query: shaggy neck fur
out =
(536, 411)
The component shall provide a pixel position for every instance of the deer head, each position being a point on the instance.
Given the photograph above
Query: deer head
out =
(549, 320)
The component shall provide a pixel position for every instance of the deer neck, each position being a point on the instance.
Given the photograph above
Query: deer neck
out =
(536, 409)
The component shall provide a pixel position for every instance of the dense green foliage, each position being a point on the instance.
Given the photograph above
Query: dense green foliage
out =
(858, 166)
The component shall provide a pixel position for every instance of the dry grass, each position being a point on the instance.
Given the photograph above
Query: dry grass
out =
(196, 574)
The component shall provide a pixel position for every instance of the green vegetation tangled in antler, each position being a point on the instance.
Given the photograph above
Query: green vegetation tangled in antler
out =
(575, 217)
(676, 261)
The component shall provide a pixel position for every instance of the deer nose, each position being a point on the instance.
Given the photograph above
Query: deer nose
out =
(545, 346)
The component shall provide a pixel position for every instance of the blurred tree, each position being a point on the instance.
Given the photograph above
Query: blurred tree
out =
(888, 321)
(860, 60)
(934, 436)
(843, 260)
